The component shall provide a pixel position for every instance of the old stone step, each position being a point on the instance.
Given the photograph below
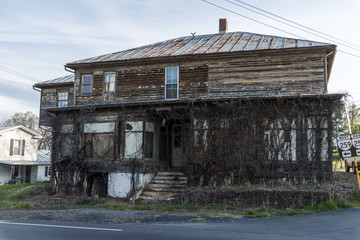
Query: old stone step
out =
(170, 174)
(166, 186)
(168, 182)
(160, 193)
(171, 177)
(163, 187)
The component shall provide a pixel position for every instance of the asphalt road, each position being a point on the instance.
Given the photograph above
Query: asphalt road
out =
(327, 225)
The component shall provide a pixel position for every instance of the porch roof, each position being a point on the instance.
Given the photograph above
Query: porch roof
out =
(24, 162)
(333, 96)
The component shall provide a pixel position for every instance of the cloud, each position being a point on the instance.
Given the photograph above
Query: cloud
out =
(8, 106)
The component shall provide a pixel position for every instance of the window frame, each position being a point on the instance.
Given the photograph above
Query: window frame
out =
(17, 147)
(62, 100)
(82, 83)
(109, 73)
(177, 82)
(21, 147)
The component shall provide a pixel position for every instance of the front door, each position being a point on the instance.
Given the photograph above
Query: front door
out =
(27, 174)
(178, 148)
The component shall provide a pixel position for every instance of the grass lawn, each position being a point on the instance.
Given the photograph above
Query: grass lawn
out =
(27, 196)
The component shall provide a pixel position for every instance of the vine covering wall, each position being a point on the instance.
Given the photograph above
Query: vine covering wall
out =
(227, 142)
(261, 141)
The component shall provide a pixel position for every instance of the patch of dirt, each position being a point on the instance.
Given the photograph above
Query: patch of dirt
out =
(44, 197)
(345, 185)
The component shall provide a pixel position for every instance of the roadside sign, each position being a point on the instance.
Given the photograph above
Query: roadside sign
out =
(349, 145)
(356, 143)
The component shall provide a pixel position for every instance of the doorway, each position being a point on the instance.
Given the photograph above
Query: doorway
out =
(177, 146)
(28, 174)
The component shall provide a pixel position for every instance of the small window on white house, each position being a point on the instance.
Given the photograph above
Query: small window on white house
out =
(171, 82)
(62, 99)
(109, 82)
(86, 83)
(47, 171)
(17, 147)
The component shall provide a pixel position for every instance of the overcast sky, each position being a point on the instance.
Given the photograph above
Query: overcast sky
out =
(38, 37)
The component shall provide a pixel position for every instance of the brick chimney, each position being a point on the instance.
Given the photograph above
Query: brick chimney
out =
(223, 25)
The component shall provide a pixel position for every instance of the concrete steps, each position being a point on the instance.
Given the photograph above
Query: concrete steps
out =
(163, 188)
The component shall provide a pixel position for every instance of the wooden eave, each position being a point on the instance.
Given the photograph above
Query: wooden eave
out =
(52, 85)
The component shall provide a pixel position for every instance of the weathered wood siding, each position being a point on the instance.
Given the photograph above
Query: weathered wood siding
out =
(285, 75)
(265, 74)
(49, 100)
(145, 83)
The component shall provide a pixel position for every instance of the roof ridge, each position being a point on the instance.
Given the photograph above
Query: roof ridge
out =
(182, 45)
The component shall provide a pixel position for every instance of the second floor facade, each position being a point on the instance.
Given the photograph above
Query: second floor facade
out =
(211, 67)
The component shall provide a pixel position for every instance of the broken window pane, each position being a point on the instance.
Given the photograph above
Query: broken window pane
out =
(109, 82)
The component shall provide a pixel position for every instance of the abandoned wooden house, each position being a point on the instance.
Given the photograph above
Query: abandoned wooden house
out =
(224, 108)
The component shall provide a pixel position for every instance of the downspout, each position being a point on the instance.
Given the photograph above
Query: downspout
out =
(74, 91)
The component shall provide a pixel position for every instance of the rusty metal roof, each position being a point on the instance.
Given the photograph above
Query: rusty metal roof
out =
(205, 44)
(61, 80)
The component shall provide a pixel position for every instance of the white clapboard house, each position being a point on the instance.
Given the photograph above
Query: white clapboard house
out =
(20, 161)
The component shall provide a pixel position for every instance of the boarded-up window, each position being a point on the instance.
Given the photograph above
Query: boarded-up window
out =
(99, 145)
(99, 140)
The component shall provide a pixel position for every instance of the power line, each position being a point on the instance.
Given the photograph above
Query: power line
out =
(295, 25)
(268, 25)
(298, 24)
(354, 55)
(18, 74)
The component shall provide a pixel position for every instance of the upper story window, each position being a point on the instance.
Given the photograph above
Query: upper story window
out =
(172, 83)
(17, 147)
(63, 99)
(110, 82)
(86, 83)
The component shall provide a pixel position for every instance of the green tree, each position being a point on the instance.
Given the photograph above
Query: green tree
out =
(354, 117)
(28, 119)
